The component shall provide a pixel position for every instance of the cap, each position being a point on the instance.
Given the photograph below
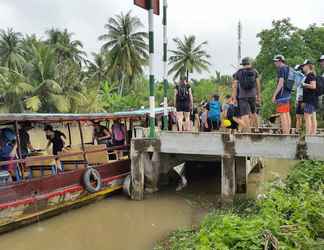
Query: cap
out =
(48, 128)
(297, 67)
(307, 61)
(246, 61)
(278, 58)
(321, 58)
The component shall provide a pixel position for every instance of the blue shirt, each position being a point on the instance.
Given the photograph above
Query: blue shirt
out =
(214, 110)
(284, 95)
(5, 152)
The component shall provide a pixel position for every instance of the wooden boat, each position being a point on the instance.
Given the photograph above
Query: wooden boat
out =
(41, 190)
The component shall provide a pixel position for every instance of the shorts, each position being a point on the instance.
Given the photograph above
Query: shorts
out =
(234, 124)
(299, 108)
(215, 125)
(183, 107)
(283, 108)
(247, 105)
(309, 108)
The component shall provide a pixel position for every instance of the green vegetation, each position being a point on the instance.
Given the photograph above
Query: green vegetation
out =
(289, 216)
(55, 74)
(294, 43)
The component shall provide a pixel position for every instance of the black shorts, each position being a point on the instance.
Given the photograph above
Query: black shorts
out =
(183, 107)
(299, 108)
(247, 105)
(234, 124)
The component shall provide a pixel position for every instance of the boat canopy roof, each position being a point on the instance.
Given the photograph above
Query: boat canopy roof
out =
(59, 117)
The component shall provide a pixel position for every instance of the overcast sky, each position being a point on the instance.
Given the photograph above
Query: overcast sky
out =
(211, 20)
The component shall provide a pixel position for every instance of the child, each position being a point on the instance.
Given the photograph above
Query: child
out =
(232, 118)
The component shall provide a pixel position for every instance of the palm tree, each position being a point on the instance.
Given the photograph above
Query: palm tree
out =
(127, 47)
(11, 52)
(14, 88)
(47, 95)
(99, 68)
(188, 57)
(65, 47)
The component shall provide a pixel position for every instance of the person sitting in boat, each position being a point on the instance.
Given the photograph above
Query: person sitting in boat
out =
(56, 138)
(25, 144)
(8, 148)
(119, 136)
(118, 133)
(101, 134)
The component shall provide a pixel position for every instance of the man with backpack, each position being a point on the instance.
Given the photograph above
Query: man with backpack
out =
(183, 102)
(282, 95)
(247, 91)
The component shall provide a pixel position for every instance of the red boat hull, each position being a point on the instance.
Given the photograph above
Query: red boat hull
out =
(27, 201)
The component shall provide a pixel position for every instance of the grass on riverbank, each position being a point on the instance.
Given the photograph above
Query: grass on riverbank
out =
(289, 216)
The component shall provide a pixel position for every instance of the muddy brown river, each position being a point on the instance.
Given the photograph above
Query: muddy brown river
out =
(117, 223)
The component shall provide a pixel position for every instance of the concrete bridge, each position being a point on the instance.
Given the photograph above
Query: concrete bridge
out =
(236, 152)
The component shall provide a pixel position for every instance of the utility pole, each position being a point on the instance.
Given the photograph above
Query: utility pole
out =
(239, 52)
(165, 66)
(151, 68)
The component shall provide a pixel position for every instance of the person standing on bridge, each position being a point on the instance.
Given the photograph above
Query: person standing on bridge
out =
(282, 95)
(247, 92)
(184, 103)
(310, 97)
(321, 61)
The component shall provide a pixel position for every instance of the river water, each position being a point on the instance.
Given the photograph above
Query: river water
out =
(117, 223)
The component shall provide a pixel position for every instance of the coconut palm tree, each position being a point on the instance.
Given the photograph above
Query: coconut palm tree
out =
(99, 68)
(65, 47)
(11, 51)
(14, 88)
(127, 48)
(188, 57)
(47, 95)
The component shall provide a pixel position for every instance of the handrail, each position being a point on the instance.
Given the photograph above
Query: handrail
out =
(57, 157)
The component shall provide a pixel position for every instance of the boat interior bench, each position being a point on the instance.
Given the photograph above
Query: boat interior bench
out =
(38, 166)
(95, 155)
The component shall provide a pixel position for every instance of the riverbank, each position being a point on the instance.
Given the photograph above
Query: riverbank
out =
(289, 215)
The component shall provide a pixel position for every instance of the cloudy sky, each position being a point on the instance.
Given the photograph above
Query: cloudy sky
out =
(211, 20)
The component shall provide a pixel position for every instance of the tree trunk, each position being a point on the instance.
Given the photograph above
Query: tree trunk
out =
(187, 75)
(122, 85)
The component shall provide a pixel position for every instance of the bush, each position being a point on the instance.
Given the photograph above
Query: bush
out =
(290, 216)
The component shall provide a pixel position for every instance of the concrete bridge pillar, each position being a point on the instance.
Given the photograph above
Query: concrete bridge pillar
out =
(241, 175)
(228, 178)
(234, 177)
(145, 164)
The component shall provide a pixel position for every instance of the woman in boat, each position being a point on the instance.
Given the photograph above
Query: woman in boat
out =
(8, 148)
(56, 138)
(118, 133)
(101, 134)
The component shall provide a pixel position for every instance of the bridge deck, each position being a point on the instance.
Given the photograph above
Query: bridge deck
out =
(241, 145)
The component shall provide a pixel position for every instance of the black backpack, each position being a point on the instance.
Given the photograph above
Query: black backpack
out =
(248, 79)
(290, 80)
(319, 85)
(183, 92)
